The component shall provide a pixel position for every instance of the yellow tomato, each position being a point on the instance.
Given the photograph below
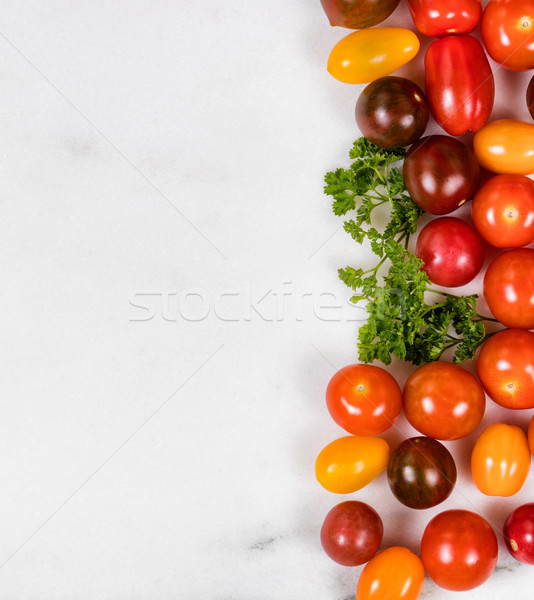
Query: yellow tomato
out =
(350, 463)
(393, 574)
(500, 460)
(506, 146)
(368, 54)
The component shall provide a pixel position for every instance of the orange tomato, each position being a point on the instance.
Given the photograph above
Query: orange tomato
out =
(506, 146)
(500, 460)
(393, 574)
(350, 463)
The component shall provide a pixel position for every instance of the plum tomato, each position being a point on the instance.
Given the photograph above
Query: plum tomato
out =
(530, 97)
(437, 18)
(441, 173)
(351, 533)
(459, 550)
(505, 368)
(452, 251)
(502, 211)
(350, 463)
(396, 573)
(443, 401)
(392, 112)
(518, 533)
(358, 14)
(509, 288)
(363, 399)
(421, 472)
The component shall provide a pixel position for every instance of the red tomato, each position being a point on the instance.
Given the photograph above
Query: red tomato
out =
(502, 211)
(507, 29)
(509, 288)
(505, 367)
(518, 533)
(443, 401)
(437, 18)
(452, 251)
(364, 399)
(459, 84)
(459, 550)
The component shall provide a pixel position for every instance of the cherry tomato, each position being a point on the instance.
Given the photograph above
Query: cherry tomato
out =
(502, 211)
(437, 18)
(518, 533)
(500, 460)
(421, 472)
(459, 550)
(530, 97)
(507, 29)
(393, 574)
(392, 111)
(351, 533)
(440, 174)
(366, 55)
(505, 367)
(364, 399)
(451, 250)
(350, 463)
(506, 146)
(443, 401)
(509, 288)
(358, 14)
(459, 84)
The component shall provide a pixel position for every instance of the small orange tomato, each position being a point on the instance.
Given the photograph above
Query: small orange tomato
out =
(506, 146)
(500, 460)
(350, 463)
(367, 54)
(393, 574)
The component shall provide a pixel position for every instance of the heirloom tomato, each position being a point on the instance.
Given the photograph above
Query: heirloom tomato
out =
(509, 288)
(459, 84)
(358, 14)
(530, 97)
(459, 550)
(367, 54)
(518, 533)
(437, 18)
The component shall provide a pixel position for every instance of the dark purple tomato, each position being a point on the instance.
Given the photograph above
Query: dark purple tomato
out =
(392, 112)
(530, 97)
(452, 251)
(358, 14)
(421, 472)
(518, 533)
(351, 533)
(440, 173)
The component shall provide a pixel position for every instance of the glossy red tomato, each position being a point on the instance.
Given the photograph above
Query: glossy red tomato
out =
(518, 533)
(459, 550)
(437, 18)
(443, 401)
(364, 399)
(451, 250)
(358, 14)
(509, 288)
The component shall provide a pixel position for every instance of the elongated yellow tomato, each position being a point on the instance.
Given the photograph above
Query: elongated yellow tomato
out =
(506, 146)
(393, 574)
(350, 463)
(500, 460)
(366, 55)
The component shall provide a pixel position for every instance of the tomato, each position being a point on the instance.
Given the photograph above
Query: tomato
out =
(518, 533)
(393, 574)
(502, 211)
(437, 18)
(350, 463)
(364, 399)
(351, 533)
(421, 472)
(451, 250)
(392, 111)
(509, 288)
(506, 146)
(505, 367)
(440, 174)
(366, 55)
(357, 14)
(459, 550)
(500, 460)
(507, 28)
(530, 97)
(443, 401)
(459, 84)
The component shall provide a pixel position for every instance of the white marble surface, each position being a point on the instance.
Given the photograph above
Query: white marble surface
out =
(169, 272)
